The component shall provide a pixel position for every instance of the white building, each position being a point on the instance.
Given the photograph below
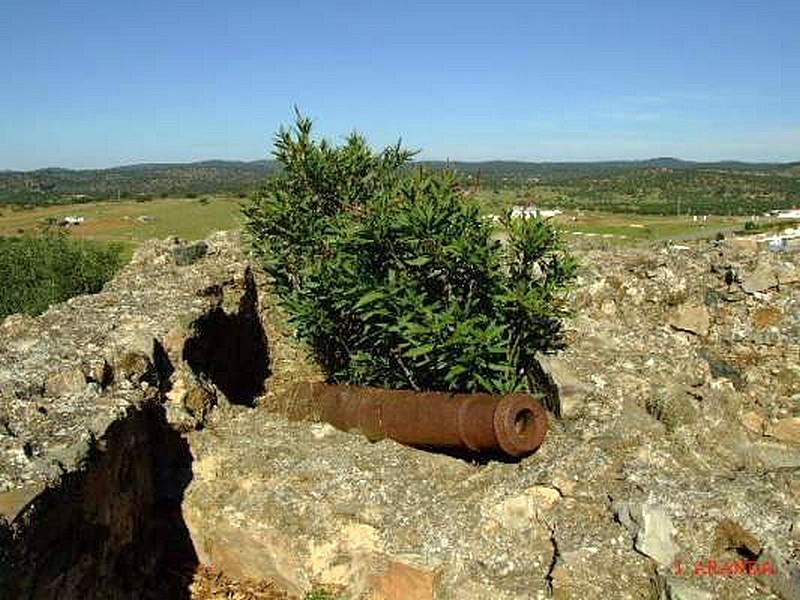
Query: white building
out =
(792, 213)
(526, 212)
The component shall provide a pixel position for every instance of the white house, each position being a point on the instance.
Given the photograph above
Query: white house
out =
(792, 213)
(546, 213)
(526, 212)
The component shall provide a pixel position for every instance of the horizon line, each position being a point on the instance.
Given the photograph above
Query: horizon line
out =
(425, 160)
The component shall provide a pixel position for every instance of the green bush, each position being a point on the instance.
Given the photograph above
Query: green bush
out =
(394, 278)
(39, 271)
(319, 594)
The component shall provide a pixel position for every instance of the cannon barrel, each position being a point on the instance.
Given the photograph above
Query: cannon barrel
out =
(514, 424)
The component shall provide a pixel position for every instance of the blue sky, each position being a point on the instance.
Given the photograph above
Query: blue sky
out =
(102, 83)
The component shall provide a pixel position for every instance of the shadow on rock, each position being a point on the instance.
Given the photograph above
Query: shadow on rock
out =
(231, 349)
(112, 529)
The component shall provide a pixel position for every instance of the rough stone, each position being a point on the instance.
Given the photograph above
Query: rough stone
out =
(133, 366)
(775, 456)
(785, 580)
(199, 401)
(652, 529)
(730, 535)
(754, 422)
(90, 474)
(692, 317)
(186, 254)
(785, 430)
(563, 391)
(672, 406)
(746, 244)
(306, 505)
(761, 279)
(767, 316)
(62, 383)
(788, 274)
(674, 588)
(406, 579)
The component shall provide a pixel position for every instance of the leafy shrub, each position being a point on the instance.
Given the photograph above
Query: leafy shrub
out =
(319, 594)
(39, 271)
(394, 278)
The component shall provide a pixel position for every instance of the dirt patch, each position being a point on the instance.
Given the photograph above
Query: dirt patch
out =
(210, 584)
(767, 317)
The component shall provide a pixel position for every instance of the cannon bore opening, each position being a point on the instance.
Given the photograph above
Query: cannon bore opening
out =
(524, 421)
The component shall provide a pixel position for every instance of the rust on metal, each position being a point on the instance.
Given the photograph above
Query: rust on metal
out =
(514, 425)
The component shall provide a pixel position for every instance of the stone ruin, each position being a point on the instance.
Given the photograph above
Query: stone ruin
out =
(155, 428)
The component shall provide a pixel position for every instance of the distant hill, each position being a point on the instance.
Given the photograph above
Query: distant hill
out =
(56, 185)
(557, 170)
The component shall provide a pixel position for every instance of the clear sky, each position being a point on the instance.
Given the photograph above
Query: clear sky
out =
(102, 83)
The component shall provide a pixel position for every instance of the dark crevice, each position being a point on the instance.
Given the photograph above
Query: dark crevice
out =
(163, 366)
(549, 578)
(113, 530)
(231, 350)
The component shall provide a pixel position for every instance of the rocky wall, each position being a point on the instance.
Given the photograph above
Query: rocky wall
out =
(160, 405)
(94, 397)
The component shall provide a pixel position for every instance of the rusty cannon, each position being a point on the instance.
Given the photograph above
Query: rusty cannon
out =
(514, 425)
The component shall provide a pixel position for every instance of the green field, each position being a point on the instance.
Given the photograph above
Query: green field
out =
(618, 225)
(647, 227)
(131, 221)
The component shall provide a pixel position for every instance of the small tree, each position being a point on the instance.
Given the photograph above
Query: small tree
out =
(393, 276)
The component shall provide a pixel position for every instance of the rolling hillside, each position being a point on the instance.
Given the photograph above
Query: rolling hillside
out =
(654, 185)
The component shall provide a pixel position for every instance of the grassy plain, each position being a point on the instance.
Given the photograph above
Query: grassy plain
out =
(131, 221)
(647, 227)
(617, 225)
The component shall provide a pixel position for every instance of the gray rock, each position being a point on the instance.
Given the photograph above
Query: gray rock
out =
(675, 588)
(720, 368)
(652, 530)
(788, 274)
(775, 456)
(186, 254)
(68, 381)
(672, 406)
(760, 280)
(73, 456)
(785, 578)
(563, 391)
(97, 455)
